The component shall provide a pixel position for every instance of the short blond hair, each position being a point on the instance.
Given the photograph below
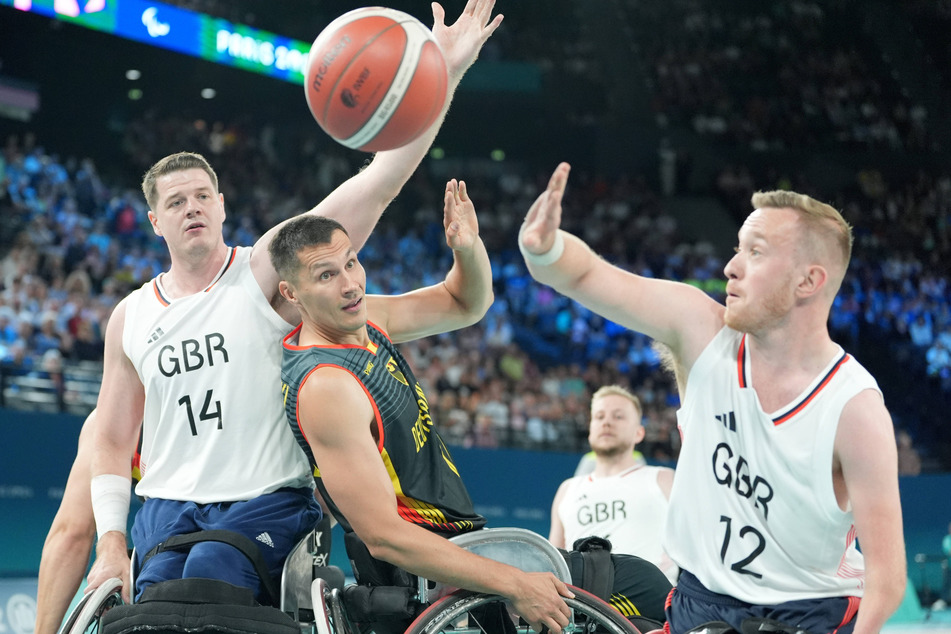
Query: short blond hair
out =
(820, 221)
(174, 163)
(617, 390)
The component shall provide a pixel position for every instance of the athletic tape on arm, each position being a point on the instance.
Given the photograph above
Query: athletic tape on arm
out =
(110, 502)
(548, 257)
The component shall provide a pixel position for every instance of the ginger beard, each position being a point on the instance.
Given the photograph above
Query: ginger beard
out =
(743, 316)
(763, 276)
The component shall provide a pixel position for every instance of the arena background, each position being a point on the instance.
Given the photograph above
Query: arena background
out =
(560, 81)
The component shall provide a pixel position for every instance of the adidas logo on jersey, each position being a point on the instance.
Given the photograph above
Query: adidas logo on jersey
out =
(728, 420)
(158, 332)
(265, 539)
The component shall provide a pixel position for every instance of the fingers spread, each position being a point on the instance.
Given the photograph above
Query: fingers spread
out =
(489, 30)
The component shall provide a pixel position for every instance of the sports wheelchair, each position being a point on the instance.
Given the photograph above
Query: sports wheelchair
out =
(316, 599)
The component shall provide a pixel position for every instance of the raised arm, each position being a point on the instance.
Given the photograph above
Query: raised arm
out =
(335, 415)
(679, 315)
(118, 420)
(866, 453)
(69, 541)
(461, 299)
(359, 202)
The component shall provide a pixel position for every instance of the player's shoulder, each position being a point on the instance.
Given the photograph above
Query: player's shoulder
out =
(116, 321)
(332, 383)
(331, 395)
(571, 482)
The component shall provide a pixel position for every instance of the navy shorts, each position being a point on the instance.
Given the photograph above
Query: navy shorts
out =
(691, 604)
(275, 521)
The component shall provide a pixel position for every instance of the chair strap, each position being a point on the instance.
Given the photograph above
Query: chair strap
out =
(243, 544)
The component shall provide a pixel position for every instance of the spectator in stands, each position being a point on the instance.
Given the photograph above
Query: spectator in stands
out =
(909, 462)
(939, 362)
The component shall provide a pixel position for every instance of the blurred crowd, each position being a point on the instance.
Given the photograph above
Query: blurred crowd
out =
(495, 384)
(775, 75)
(523, 376)
(75, 241)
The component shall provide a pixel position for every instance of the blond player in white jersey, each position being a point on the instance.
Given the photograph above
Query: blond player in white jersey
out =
(623, 499)
(789, 453)
(196, 353)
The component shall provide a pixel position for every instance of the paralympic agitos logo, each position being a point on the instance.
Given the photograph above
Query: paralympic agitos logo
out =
(327, 60)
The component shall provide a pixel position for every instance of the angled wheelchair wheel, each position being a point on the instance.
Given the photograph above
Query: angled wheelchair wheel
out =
(340, 620)
(87, 613)
(465, 612)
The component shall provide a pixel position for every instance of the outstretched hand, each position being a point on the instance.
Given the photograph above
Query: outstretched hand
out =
(537, 233)
(462, 41)
(459, 217)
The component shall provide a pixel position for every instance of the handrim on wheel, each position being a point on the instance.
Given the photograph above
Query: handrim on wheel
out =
(85, 617)
(454, 613)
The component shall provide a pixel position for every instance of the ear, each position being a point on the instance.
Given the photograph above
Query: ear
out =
(812, 282)
(639, 434)
(153, 219)
(221, 201)
(288, 292)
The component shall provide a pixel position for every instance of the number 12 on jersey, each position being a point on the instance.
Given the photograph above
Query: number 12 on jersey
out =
(206, 413)
(759, 546)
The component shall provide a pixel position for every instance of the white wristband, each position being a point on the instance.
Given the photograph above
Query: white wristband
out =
(548, 257)
(110, 502)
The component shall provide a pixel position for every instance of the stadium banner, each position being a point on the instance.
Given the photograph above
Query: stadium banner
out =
(183, 31)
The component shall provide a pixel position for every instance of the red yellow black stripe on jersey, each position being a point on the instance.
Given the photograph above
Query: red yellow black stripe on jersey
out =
(428, 489)
(418, 512)
(137, 461)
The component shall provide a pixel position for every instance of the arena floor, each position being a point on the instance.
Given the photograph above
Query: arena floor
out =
(931, 621)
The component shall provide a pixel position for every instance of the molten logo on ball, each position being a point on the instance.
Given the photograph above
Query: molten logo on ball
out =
(348, 98)
(376, 79)
(327, 60)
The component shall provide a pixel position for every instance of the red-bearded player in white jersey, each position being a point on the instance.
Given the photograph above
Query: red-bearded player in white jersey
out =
(788, 453)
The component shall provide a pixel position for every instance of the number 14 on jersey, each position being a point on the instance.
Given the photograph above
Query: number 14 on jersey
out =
(206, 413)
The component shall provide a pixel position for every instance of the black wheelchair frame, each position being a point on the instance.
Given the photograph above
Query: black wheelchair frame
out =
(315, 596)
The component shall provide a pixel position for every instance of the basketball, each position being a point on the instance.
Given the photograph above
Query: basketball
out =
(376, 79)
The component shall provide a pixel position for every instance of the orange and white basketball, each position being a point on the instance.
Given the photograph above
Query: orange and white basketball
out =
(376, 79)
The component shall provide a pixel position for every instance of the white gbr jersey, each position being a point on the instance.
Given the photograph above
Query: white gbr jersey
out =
(628, 508)
(214, 427)
(753, 514)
